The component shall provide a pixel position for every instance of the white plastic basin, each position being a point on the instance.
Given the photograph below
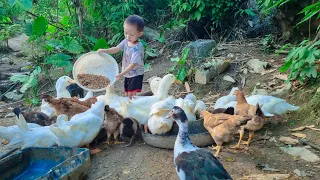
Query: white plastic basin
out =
(97, 64)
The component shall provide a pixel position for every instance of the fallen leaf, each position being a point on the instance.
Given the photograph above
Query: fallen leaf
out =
(267, 71)
(302, 128)
(229, 159)
(187, 86)
(281, 76)
(288, 140)
(243, 81)
(300, 135)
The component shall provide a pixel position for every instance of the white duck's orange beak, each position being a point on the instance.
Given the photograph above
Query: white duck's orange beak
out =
(71, 81)
(178, 81)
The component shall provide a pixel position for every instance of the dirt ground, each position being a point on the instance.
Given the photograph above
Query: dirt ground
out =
(141, 161)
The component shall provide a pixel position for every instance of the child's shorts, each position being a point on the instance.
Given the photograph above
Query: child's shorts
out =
(133, 84)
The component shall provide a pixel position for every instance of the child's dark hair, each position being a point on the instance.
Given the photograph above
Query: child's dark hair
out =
(135, 20)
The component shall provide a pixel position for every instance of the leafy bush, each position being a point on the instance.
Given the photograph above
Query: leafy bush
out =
(29, 82)
(301, 61)
(212, 11)
(183, 66)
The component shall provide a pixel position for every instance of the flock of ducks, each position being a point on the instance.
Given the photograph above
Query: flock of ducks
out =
(156, 113)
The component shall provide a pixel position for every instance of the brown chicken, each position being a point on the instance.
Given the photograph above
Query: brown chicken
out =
(245, 109)
(222, 127)
(65, 106)
(242, 107)
(256, 123)
(88, 102)
(112, 121)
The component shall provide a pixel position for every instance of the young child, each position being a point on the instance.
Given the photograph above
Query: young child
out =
(133, 53)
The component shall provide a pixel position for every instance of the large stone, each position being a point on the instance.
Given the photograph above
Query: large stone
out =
(258, 66)
(200, 49)
(302, 152)
(16, 43)
(150, 34)
(13, 96)
(204, 75)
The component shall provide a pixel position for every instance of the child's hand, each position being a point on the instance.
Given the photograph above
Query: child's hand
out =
(118, 77)
(100, 50)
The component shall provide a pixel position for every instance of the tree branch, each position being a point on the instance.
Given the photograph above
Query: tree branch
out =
(51, 23)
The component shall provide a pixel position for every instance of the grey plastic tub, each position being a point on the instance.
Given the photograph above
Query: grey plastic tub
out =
(198, 135)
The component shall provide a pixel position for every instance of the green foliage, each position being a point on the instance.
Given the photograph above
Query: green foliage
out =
(183, 67)
(39, 27)
(301, 61)
(29, 82)
(101, 44)
(212, 11)
(149, 51)
(60, 60)
(25, 4)
(310, 11)
(248, 12)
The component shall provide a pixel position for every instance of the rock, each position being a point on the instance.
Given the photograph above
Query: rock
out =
(203, 76)
(300, 173)
(231, 56)
(229, 78)
(258, 65)
(13, 96)
(5, 59)
(258, 90)
(150, 34)
(302, 152)
(288, 140)
(200, 49)
(259, 24)
(283, 91)
(175, 47)
(16, 43)
(266, 176)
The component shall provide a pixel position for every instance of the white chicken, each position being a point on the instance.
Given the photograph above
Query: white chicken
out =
(158, 123)
(81, 129)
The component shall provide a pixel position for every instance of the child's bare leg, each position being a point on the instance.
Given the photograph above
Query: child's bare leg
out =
(131, 94)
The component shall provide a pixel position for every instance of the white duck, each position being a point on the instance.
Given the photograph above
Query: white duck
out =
(158, 123)
(61, 88)
(87, 96)
(9, 132)
(200, 106)
(154, 84)
(139, 109)
(81, 129)
(188, 107)
(222, 101)
(31, 137)
(270, 105)
(112, 99)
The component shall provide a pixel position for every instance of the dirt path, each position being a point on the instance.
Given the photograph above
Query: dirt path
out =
(142, 161)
